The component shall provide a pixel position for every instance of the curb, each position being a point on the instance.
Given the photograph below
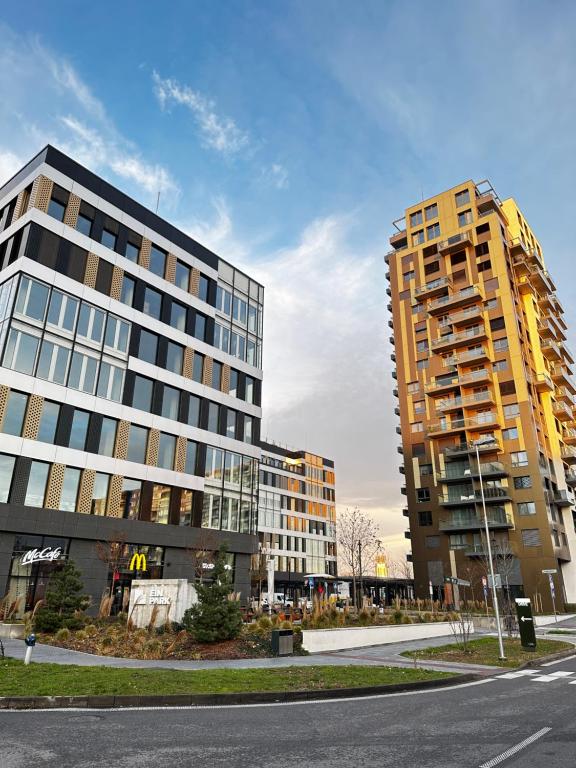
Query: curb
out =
(551, 657)
(222, 699)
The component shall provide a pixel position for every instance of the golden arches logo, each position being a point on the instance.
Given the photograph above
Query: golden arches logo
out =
(138, 562)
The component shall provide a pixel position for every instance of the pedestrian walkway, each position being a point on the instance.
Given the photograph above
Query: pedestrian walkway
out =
(381, 655)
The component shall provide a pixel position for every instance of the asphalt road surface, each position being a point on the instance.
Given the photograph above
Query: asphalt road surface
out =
(519, 719)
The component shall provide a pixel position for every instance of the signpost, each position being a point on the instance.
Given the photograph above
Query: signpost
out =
(526, 623)
(551, 572)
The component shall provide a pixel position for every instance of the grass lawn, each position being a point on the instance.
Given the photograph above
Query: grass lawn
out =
(484, 650)
(68, 680)
(561, 632)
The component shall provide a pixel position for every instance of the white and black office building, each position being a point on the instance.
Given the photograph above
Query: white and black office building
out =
(130, 388)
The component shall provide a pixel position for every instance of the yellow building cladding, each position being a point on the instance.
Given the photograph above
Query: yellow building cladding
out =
(479, 347)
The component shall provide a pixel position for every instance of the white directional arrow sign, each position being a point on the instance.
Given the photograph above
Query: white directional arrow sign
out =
(525, 618)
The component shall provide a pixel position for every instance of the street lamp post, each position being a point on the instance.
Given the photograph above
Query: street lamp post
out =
(477, 443)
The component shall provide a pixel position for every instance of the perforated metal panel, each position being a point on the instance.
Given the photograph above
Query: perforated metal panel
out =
(121, 447)
(145, 253)
(91, 270)
(54, 490)
(20, 205)
(152, 452)
(171, 268)
(33, 414)
(41, 193)
(180, 461)
(114, 496)
(72, 211)
(225, 383)
(116, 287)
(195, 281)
(207, 374)
(188, 364)
(84, 503)
(4, 392)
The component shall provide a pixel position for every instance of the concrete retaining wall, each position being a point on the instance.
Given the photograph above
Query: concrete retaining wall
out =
(318, 640)
(15, 631)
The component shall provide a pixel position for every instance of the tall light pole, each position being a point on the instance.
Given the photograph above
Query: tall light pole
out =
(477, 443)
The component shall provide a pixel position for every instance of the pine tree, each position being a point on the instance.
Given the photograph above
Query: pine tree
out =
(63, 599)
(215, 617)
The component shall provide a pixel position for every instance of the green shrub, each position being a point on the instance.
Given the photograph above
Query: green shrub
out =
(397, 616)
(91, 630)
(264, 622)
(406, 620)
(63, 600)
(427, 617)
(80, 635)
(214, 618)
(364, 618)
(63, 634)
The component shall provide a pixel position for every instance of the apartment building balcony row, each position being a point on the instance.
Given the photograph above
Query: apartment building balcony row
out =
(456, 472)
(467, 401)
(474, 496)
(447, 383)
(476, 354)
(464, 296)
(446, 427)
(498, 517)
(451, 340)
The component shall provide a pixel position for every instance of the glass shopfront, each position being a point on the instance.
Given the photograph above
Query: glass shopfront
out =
(34, 560)
(132, 561)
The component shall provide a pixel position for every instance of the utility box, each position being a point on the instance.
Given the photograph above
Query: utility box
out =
(282, 642)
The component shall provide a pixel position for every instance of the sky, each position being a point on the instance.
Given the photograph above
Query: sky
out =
(287, 137)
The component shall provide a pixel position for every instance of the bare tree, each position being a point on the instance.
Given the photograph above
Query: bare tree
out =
(202, 555)
(357, 544)
(111, 552)
(400, 569)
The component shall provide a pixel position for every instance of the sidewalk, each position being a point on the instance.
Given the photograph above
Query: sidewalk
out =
(381, 655)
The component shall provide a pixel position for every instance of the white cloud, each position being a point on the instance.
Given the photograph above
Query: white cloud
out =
(35, 81)
(217, 131)
(275, 175)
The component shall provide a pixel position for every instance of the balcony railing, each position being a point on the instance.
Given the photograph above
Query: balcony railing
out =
(498, 550)
(570, 478)
(497, 517)
(465, 448)
(475, 496)
(543, 382)
(569, 454)
(453, 339)
(563, 393)
(470, 293)
(477, 398)
(471, 378)
(455, 242)
(569, 435)
(454, 472)
(551, 350)
(461, 358)
(462, 317)
(433, 286)
(563, 498)
(458, 425)
(562, 411)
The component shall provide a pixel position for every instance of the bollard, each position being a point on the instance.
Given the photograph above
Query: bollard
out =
(30, 643)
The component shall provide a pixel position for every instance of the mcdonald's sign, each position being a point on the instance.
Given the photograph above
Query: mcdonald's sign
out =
(138, 562)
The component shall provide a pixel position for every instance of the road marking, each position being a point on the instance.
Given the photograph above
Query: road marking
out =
(516, 748)
(545, 679)
(558, 661)
(561, 674)
(119, 710)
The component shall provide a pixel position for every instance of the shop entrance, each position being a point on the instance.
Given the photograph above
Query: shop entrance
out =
(34, 560)
(134, 562)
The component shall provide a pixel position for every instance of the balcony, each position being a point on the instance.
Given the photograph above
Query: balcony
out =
(468, 356)
(405, 512)
(497, 518)
(548, 301)
(569, 454)
(468, 401)
(569, 435)
(561, 375)
(567, 354)
(498, 550)
(570, 478)
(551, 350)
(543, 382)
(432, 288)
(387, 257)
(455, 243)
(563, 499)
(446, 427)
(491, 496)
(464, 316)
(456, 473)
(466, 296)
(562, 411)
(452, 340)
(564, 394)
(548, 329)
(541, 279)
(387, 274)
(464, 449)
(399, 240)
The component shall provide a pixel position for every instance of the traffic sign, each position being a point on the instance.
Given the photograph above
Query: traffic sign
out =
(526, 623)
(550, 570)
(497, 581)
(463, 582)
(450, 580)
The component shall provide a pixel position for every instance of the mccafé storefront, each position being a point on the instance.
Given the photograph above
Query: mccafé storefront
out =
(34, 560)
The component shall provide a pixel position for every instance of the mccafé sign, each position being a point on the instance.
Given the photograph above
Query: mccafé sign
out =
(48, 554)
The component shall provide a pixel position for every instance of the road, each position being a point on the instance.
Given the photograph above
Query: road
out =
(470, 725)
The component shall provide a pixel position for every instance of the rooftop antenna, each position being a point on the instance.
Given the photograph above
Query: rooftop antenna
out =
(157, 201)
